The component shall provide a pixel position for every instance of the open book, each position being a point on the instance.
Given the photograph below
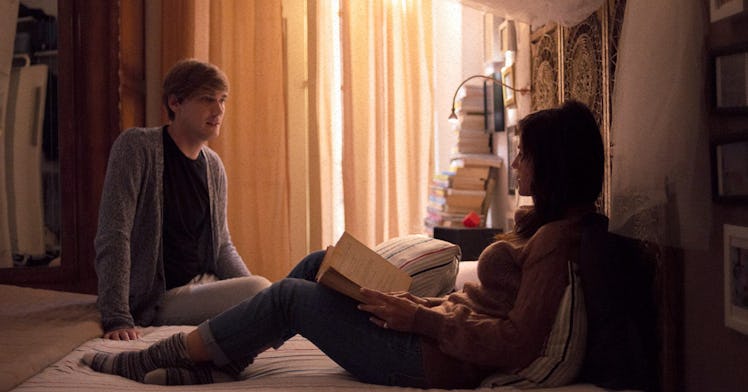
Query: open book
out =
(350, 265)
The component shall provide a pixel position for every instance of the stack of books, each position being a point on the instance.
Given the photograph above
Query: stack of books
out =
(472, 137)
(471, 99)
(471, 128)
(466, 187)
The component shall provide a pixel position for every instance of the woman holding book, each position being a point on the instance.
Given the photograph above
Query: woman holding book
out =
(499, 324)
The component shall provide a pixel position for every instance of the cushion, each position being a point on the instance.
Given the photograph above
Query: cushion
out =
(564, 350)
(432, 263)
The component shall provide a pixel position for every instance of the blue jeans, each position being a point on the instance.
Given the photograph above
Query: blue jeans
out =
(330, 320)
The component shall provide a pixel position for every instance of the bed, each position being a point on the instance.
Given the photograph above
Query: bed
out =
(44, 334)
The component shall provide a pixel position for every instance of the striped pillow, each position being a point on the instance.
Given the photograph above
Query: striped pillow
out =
(432, 263)
(564, 351)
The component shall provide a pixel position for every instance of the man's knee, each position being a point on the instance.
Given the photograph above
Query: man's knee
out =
(250, 285)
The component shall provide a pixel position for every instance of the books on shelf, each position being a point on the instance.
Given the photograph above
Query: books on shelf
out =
(435, 218)
(472, 139)
(481, 106)
(467, 146)
(466, 187)
(448, 191)
(469, 199)
(469, 171)
(446, 208)
(472, 134)
(448, 179)
(461, 160)
(471, 89)
(471, 122)
(468, 183)
(471, 99)
(472, 105)
(350, 265)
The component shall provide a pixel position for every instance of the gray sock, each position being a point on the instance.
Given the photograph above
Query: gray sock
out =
(235, 369)
(167, 353)
(199, 374)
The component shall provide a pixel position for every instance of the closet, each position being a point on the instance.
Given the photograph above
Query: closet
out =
(29, 174)
(88, 120)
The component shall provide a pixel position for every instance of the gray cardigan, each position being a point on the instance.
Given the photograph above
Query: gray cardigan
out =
(129, 253)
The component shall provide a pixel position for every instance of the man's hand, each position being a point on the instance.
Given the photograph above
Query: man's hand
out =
(391, 311)
(123, 334)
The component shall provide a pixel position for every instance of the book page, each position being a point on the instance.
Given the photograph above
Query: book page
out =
(362, 266)
(334, 280)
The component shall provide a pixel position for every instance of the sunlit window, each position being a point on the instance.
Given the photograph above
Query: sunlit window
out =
(338, 210)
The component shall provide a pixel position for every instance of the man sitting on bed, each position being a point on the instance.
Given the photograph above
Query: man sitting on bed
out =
(163, 250)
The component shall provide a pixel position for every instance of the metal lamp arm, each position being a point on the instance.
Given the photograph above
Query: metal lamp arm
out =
(453, 116)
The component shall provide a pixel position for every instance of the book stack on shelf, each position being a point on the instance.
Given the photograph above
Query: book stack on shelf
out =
(471, 128)
(472, 137)
(466, 187)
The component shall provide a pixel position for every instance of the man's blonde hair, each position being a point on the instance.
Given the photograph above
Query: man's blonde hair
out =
(190, 77)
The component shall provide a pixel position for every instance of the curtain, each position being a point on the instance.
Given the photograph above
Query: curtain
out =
(245, 39)
(660, 181)
(369, 177)
(387, 134)
(325, 191)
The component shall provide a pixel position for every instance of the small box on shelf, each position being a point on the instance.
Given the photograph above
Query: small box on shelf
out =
(472, 241)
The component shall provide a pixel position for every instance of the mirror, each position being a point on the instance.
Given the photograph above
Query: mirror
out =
(30, 208)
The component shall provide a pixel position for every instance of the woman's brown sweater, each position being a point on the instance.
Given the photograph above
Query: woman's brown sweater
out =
(500, 323)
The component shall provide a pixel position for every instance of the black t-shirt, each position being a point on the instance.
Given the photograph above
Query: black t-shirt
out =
(187, 225)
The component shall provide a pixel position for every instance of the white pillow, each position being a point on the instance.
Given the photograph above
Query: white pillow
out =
(432, 263)
(564, 350)
(468, 273)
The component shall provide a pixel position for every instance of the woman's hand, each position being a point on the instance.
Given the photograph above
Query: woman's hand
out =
(407, 295)
(391, 311)
(123, 334)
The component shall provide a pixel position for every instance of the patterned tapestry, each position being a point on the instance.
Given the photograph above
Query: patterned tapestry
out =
(544, 63)
(583, 71)
(579, 63)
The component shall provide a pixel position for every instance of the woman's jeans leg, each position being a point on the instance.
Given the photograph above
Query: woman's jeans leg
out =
(308, 266)
(328, 319)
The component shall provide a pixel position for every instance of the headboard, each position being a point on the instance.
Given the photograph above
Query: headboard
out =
(633, 296)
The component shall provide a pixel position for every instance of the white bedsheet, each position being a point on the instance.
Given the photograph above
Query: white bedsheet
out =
(297, 366)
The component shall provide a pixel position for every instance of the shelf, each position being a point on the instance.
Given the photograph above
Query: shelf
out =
(45, 53)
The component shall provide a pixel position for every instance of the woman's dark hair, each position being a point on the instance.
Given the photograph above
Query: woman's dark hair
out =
(190, 77)
(565, 149)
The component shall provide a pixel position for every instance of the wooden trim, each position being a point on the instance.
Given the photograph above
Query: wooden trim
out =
(132, 63)
(95, 125)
